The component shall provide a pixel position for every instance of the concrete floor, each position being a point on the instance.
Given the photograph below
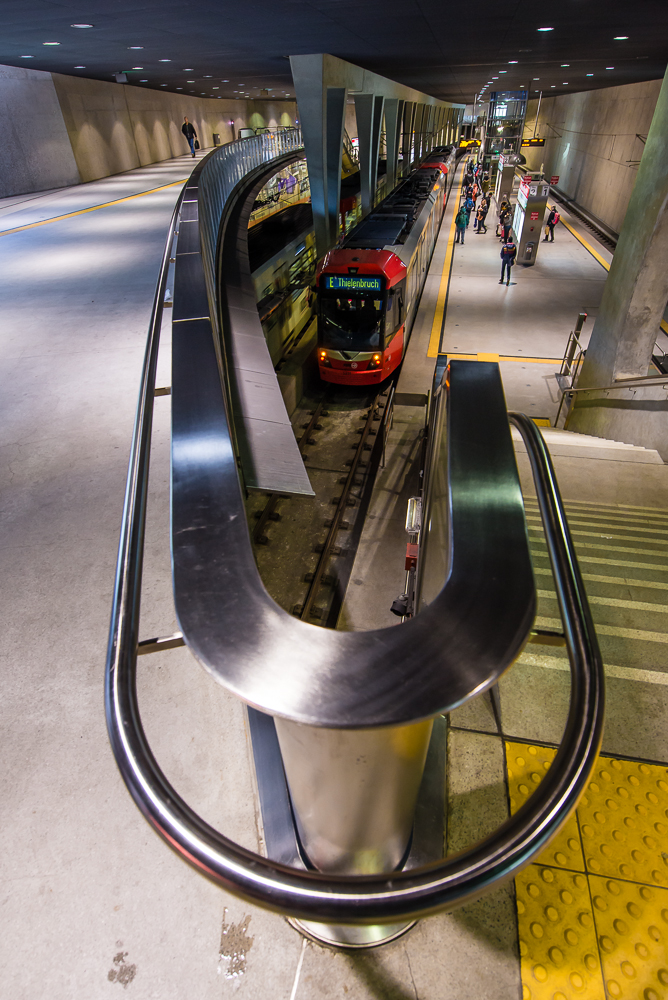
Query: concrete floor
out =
(93, 903)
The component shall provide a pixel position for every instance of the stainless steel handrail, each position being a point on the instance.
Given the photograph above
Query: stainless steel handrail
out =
(445, 885)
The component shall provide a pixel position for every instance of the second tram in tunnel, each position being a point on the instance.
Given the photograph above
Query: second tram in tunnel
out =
(369, 287)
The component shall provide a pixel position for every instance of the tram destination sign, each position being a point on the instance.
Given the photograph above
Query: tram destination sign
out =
(532, 142)
(353, 283)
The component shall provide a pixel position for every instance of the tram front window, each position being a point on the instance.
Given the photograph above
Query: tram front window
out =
(351, 324)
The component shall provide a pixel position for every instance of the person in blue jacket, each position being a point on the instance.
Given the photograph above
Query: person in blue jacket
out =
(508, 255)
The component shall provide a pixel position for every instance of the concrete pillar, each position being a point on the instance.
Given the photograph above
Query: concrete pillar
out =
(636, 290)
(321, 116)
(394, 109)
(369, 111)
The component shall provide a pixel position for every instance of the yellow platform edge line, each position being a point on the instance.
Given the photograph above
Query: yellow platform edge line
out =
(502, 357)
(436, 326)
(584, 243)
(93, 208)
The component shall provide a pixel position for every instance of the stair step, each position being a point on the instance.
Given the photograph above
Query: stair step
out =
(568, 444)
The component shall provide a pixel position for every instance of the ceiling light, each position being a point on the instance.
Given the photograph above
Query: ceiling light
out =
(553, 86)
(565, 83)
(503, 71)
(545, 29)
(621, 38)
(82, 26)
(565, 65)
(189, 69)
(224, 81)
(164, 60)
(163, 84)
(135, 47)
(512, 62)
(50, 43)
(190, 81)
(179, 88)
(609, 67)
(590, 74)
(207, 76)
(27, 57)
(495, 78)
(216, 88)
(536, 78)
(137, 67)
(143, 81)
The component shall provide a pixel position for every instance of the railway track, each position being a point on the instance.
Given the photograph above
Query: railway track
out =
(305, 547)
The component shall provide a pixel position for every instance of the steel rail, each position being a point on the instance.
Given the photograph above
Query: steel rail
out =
(445, 885)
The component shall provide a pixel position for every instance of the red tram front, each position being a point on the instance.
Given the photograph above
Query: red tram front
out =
(361, 315)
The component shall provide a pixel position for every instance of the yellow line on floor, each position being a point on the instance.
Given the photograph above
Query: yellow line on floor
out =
(663, 324)
(621, 633)
(93, 208)
(436, 326)
(584, 243)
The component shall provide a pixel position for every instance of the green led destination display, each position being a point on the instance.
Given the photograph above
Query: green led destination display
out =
(353, 283)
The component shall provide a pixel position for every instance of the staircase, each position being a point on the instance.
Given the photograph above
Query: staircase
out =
(622, 551)
(568, 444)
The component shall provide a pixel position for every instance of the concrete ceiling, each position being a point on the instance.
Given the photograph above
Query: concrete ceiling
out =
(449, 50)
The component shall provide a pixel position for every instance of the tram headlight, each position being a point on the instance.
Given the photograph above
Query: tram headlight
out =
(324, 360)
(376, 361)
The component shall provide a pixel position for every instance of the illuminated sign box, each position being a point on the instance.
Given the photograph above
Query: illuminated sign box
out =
(533, 142)
(353, 283)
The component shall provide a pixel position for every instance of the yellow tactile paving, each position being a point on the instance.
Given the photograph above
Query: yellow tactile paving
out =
(557, 937)
(632, 928)
(600, 930)
(526, 765)
(624, 821)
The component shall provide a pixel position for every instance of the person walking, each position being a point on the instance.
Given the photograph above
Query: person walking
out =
(461, 222)
(508, 255)
(552, 220)
(188, 130)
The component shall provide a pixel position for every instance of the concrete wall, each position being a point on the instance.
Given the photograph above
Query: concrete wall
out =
(65, 129)
(638, 415)
(592, 144)
(35, 152)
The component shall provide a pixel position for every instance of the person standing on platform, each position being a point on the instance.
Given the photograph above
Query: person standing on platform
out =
(552, 220)
(469, 205)
(479, 223)
(508, 255)
(461, 222)
(188, 130)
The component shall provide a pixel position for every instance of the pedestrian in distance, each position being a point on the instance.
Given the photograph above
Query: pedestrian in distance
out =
(552, 220)
(461, 222)
(479, 223)
(469, 205)
(188, 130)
(508, 255)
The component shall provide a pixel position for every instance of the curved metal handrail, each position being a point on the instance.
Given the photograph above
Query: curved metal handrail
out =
(400, 895)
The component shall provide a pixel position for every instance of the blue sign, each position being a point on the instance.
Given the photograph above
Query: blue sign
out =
(353, 283)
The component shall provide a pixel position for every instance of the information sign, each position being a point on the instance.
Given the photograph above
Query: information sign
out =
(534, 216)
(353, 283)
(533, 142)
(554, 179)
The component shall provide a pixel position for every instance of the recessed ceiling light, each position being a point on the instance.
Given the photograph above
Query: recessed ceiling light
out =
(202, 93)
(536, 78)
(621, 38)
(189, 69)
(190, 81)
(179, 88)
(590, 74)
(553, 86)
(503, 71)
(163, 84)
(609, 67)
(27, 57)
(495, 78)
(224, 81)
(164, 60)
(137, 67)
(82, 26)
(565, 83)
(50, 43)
(512, 62)
(216, 88)
(565, 65)
(545, 29)
(135, 47)
(207, 76)
(143, 81)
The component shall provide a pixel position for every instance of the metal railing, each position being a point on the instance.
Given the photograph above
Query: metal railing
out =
(224, 170)
(639, 382)
(306, 894)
